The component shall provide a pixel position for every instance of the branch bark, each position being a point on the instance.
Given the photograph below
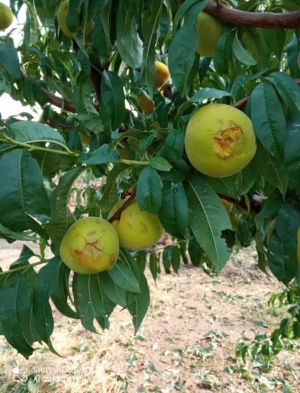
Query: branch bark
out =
(117, 214)
(266, 20)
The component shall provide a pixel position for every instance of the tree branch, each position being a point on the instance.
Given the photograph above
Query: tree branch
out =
(67, 105)
(266, 20)
(117, 214)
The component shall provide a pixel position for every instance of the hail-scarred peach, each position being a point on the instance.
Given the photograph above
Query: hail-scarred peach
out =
(90, 245)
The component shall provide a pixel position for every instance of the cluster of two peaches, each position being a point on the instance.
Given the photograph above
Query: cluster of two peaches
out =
(91, 244)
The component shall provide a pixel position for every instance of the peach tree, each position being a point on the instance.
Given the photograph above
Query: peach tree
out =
(116, 84)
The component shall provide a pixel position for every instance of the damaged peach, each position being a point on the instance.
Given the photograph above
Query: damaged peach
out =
(219, 140)
(137, 229)
(90, 245)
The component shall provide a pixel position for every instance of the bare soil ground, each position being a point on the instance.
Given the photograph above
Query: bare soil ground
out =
(186, 342)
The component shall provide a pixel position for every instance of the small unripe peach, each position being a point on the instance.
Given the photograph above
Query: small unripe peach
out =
(162, 74)
(209, 31)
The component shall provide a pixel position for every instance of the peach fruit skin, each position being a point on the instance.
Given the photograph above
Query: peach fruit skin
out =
(90, 245)
(137, 229)
(209, 31)
(219, 140)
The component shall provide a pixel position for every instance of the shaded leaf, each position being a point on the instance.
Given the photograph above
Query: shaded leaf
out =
(207, 218)
(149, 193)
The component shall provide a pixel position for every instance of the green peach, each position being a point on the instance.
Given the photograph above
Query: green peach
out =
(209, 31)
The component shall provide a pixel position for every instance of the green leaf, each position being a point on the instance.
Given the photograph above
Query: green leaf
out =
(183, 249)
(30, 131)
(86, 112)
(153, 265)
(139, 306)
(90, 300)
(241, 53)
(173, 213)
(129, 43)
(115, 293)
(124, 277)
(292, 50)
(160, 164)
(6, 233)
(172, 150)
(149, 193)
(175, 259)
(287, 88)
(31, 26)
(150, 21)
(275, 39)
(15, 309)
(167, 256)
(183, 47)
(195, 252)
(100, 33)
(223, 55)
(235, 185)
(292, 144)
(61, 216)
(44, 287)
(9, 59)
(102, 155)
(287, 222)
(61, 295)
(20, 175)
(272, 171)
(128, 260)
(145, 142)
(282, 258)
(268, 119)
(182, 10)
(241, 80)
(206, 93)
(113, 97)
(207, 218)
(110, 194)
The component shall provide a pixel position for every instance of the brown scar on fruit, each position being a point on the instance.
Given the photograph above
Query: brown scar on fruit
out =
(224, 142)
(90, 251)
(112, 260)
(144, 227)
(130, 226)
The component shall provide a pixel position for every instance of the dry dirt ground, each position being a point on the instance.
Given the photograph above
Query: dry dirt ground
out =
(186, 342)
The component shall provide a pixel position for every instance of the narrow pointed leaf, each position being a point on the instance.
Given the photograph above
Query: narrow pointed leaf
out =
(139, 306)
(22, 192)
(207, 218)
(149, 191)
(44, 287)
(268, 119)
(173, 213)
(124, 277)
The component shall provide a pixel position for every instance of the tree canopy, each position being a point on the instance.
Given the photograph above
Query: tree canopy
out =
(89, 74)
